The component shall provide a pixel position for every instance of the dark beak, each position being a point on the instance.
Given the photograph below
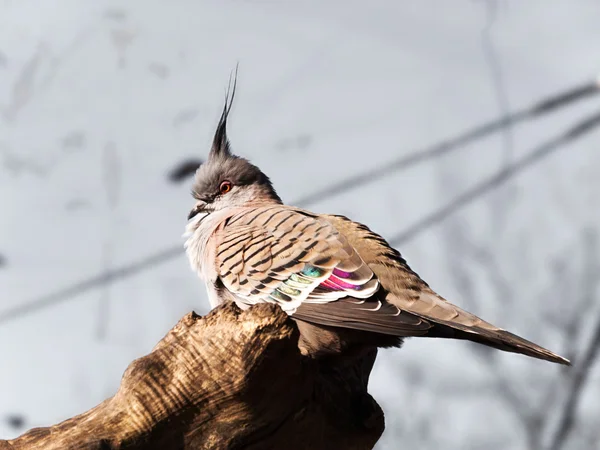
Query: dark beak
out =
(197, 210)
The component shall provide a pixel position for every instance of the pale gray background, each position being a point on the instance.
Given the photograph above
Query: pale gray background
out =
(100, 99)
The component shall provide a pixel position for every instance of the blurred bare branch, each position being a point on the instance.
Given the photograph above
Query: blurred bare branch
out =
(437, 150)
(494, 271)
(111, 171)
(23, 88)
(88, 284)
(15, 421)
(116, 14)
(566, 289)
(73, 141)
(25, 85)
(560, 288)
(577, 378)
(111, 174)
(122, 38)
(577, 385)
(580, 294)
(498, 179)
(500, 199)
(493, 62)
(185, 116)
(183, 170)
(159, 69)
(456, 242)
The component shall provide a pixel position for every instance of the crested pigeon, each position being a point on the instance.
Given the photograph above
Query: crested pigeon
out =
(343, 284)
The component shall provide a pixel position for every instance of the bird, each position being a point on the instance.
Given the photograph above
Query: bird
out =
(343, 284)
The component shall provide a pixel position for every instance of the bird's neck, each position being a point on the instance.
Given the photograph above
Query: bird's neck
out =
(259, 195)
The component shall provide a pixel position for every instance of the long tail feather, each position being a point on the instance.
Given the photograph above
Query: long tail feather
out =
(499, 339)
(453, 322)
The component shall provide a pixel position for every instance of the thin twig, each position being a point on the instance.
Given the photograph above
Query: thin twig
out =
(540, 108)
(489, 51)
(94, 282)
(497, 180)
(581, 374)
(577, 378)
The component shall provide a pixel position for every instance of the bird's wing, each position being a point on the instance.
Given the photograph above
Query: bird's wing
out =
(282, 255)
(407, 291)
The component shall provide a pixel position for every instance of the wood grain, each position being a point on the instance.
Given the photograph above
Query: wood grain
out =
(230, 380)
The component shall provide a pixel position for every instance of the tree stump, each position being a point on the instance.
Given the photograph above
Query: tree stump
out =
(230, 380)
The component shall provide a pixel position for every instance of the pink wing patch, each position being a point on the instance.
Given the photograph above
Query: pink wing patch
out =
(336, 283)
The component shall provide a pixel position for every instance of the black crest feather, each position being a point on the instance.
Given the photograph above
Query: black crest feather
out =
(220, 145)
(222, 165)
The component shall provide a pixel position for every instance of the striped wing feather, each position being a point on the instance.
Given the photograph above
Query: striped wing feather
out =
(280, 255)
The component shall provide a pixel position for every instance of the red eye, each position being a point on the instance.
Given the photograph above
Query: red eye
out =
(225, 187)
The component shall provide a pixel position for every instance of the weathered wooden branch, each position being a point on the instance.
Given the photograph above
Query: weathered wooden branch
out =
(230, 380)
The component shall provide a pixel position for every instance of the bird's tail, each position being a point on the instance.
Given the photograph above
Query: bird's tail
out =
(497, 338)
(450, 321)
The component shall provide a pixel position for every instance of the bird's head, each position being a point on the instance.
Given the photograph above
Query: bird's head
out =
(226, 180)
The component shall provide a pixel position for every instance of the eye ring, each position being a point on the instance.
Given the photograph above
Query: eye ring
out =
(225, 187)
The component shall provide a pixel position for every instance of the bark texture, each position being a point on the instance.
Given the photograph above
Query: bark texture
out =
(230, 380)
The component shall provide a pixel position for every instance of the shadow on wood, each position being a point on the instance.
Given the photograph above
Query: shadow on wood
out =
(230, 380)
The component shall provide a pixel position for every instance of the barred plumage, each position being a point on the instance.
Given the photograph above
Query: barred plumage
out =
(283, 255)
